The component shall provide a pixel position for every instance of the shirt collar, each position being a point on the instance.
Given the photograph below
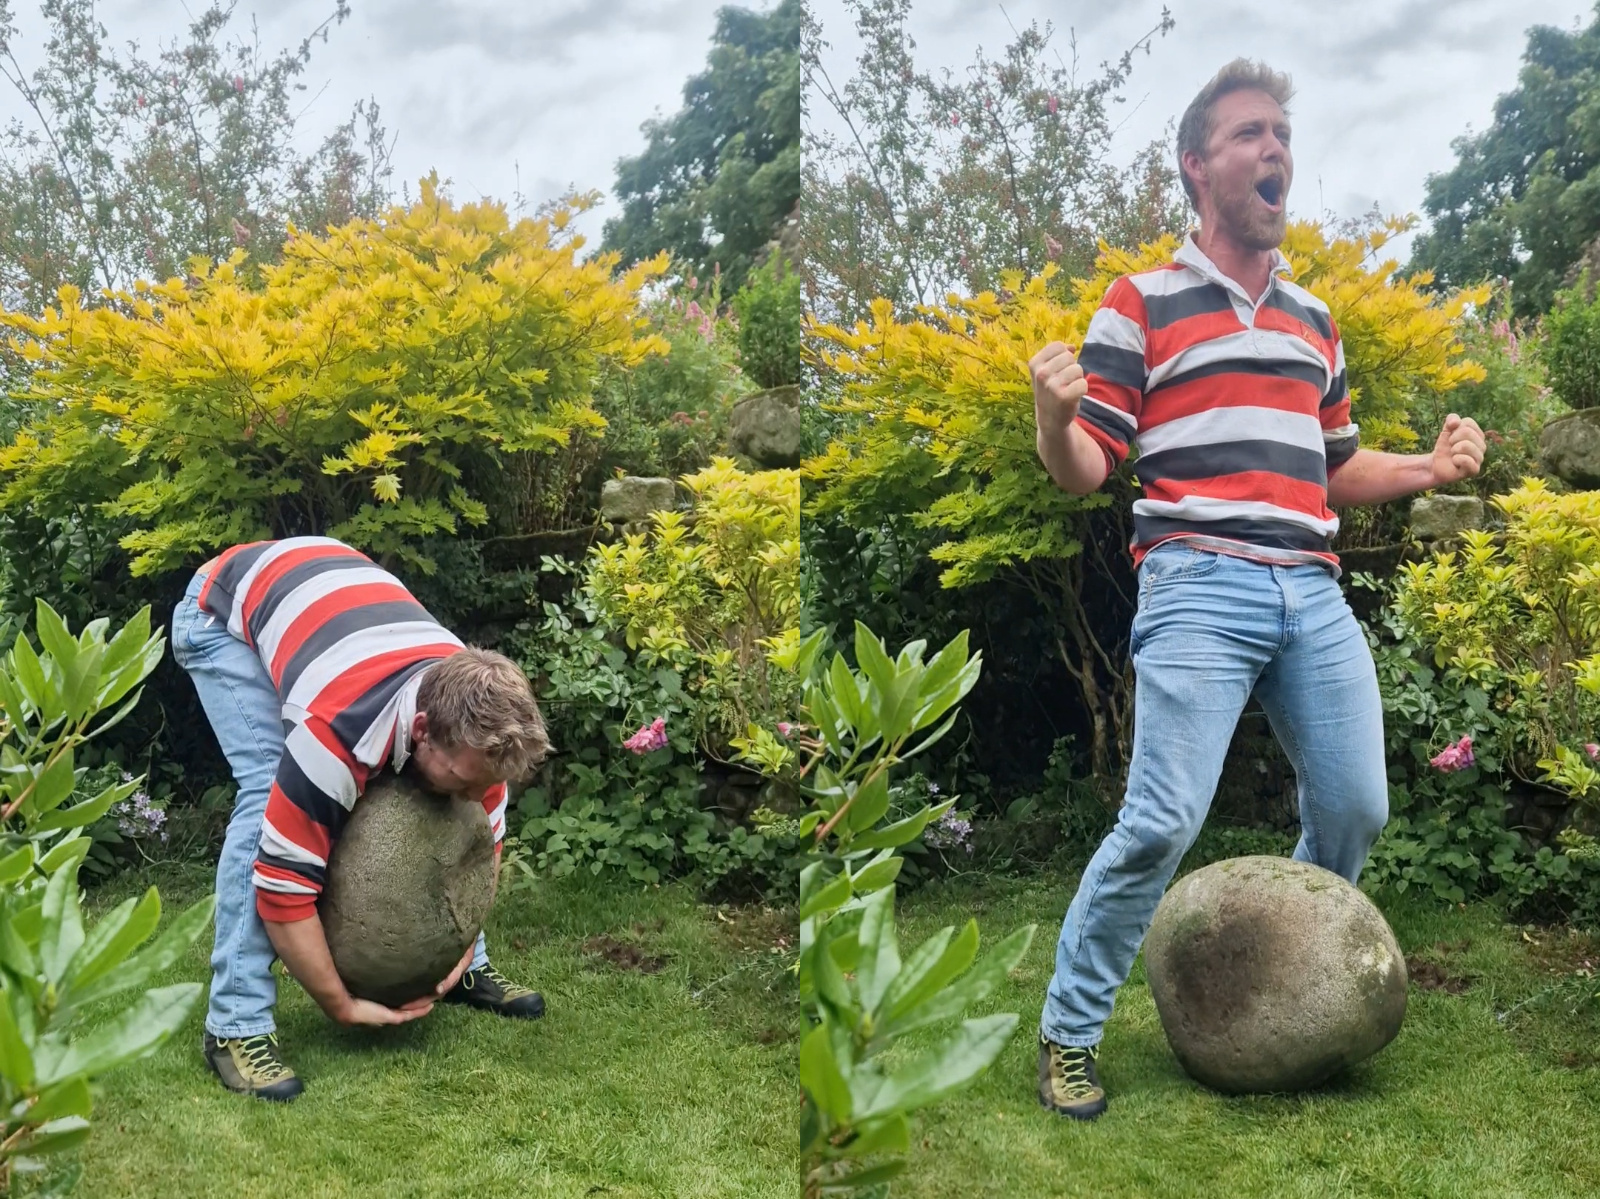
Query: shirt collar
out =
(1192, 256)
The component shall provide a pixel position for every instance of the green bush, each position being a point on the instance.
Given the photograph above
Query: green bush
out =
(769, 310)
(54, 970)
(1573, 331)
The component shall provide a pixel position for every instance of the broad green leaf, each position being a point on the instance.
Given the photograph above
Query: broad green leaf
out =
(950, 1067)
(17, 707)
(935, 963)
(29, 672)
(830, 984)
(883, 871)
(932, 738)
(16, 1061)
(15, 952)
(117, 717)
(889, 1134)
(870, 1176)
(66, 1133)
(128, 643)
(973, 987)
(870, 803)
(63, 925)
(116, 935)
(843, 691)
(873, 661)
(67, 855)
(15, 865)
(901, 831)
(829, 896)
(153, 959)
(53, 785)
(880, 950)
(820, 1075)
(155, 1016)
(82, 681)
(54, 638)
(70, 1098)
(88, 811)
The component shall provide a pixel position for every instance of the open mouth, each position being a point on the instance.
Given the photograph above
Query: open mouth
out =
(1270, 189)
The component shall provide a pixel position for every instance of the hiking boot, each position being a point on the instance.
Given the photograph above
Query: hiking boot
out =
(1068, 1082)
(251, 1066)
(492, 991)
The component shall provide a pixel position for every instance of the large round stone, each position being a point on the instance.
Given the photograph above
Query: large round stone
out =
(1272, 975)
(408, 887)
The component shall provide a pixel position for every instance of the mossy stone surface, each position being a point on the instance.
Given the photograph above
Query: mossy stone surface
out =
(408, 888)
(1272, 975)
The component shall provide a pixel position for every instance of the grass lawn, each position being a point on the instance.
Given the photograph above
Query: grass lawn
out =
(665, 1067)
(1461, 1104)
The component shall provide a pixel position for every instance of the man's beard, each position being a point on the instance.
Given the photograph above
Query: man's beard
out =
(1252, 225)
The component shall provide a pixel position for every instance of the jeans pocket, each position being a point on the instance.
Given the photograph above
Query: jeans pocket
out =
(1173, 563)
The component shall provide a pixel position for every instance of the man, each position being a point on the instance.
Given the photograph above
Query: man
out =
(317, 669)
(1231, 381)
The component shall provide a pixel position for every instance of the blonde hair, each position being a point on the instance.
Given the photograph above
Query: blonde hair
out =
(482, 700)
(1199, 119)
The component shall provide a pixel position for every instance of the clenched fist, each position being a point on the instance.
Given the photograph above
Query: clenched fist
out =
(1457, 455)
(1058, 386)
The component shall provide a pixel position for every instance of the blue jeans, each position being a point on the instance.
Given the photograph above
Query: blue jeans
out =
(243, 707)
(1209, 630)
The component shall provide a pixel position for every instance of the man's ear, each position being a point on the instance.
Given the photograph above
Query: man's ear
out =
(419, 727)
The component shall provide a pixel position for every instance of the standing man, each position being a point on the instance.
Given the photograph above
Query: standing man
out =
(1231, 380)
(316, 670)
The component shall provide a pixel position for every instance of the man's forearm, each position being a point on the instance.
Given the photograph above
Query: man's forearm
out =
(1074, 459)
(304, 950)
(1372, 477)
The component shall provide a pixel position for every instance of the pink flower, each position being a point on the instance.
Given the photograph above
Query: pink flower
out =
(649, 737)
(955, 118)
(1593, 751)
(238, 83)
(1454, 757)
(1051, 105)
(1051, 246)
(785, 729)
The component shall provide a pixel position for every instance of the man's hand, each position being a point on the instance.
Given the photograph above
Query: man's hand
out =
(461, 968)
(1458, 454)
(355, 1011)
(1058, 386)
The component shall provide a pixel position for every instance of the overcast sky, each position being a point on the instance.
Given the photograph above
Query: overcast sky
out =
(1383, 86)
(474, 88)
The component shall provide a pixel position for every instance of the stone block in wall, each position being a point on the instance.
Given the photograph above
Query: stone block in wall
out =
(633, 498)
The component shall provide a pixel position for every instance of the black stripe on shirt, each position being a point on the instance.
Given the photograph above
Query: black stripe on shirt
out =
(284, 586)
(1271, 368)
(1337, 390)
(1117, 366)
(352, 724)
(1269, 534)
(297, 787)
(337, 628)
(1207, 298)
(1306, 315)
(220, 596)
(312, 873)
(1233, 457)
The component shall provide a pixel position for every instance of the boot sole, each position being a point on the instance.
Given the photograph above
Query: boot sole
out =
(1082, 1117)
(251, 1093)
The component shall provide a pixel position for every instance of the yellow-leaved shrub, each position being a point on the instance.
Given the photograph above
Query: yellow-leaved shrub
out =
(367, 387)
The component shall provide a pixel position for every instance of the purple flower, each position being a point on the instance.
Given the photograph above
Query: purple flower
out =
(949, 832)
(933, 788)
(650, 737)
(1454, 757)
(138, 817)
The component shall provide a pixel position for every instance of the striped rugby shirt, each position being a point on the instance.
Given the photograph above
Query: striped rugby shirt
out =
(1240, 409)
(346, 646)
